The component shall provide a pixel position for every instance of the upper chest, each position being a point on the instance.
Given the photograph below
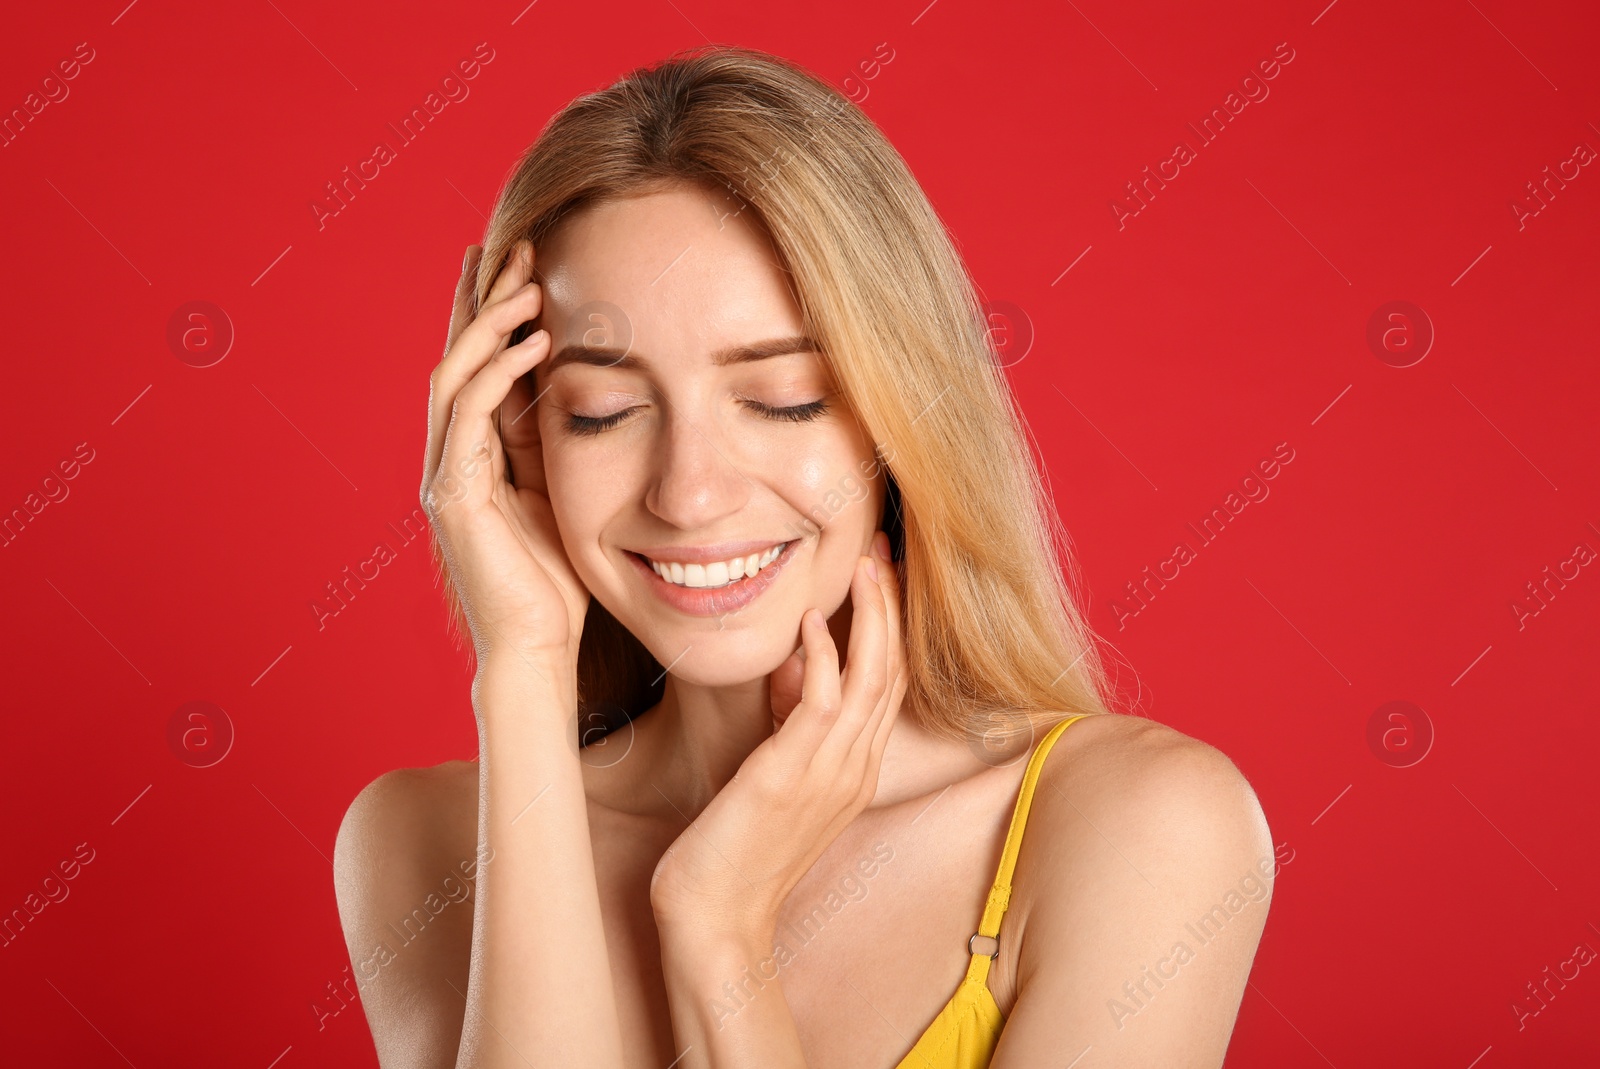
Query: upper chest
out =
(870, 944)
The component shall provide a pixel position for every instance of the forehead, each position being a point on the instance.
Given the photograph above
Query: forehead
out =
(681, 269)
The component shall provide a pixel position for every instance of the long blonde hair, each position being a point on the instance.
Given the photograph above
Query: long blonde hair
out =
(995, 643)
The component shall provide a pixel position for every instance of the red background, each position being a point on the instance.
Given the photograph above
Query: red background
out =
(1227, 316)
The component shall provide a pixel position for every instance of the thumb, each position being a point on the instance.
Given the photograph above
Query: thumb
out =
(785, 685)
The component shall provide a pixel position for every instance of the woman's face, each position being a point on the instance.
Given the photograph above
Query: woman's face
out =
(656, 414)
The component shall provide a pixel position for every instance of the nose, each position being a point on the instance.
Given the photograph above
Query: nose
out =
(697, 480)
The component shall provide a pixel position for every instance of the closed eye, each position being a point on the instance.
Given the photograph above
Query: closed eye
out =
(591, 425)
(796, 413)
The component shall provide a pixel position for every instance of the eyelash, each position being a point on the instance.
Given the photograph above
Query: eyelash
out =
(591, 425)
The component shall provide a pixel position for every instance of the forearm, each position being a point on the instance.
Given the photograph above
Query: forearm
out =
(540, 990)
(728, 1006)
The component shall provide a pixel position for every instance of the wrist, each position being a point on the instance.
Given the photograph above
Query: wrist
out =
(498, 647)
(716, 936)
(507, 680)
(712, 955)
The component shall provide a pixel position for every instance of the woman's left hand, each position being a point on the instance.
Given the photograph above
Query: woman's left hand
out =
(731, 870)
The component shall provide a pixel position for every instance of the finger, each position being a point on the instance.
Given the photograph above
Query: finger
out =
(461, 310)
(784, 686)
(515, 274)
(489, 387)
(467, 310)
(899, 670)
(472, 459)
(819, 706)
(460, 315)
(889, 581)
(866, 676)
(477, 343)
(523, 459)
(876, 735)
(518, 421)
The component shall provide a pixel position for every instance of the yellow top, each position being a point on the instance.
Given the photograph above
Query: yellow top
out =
(967, 1030)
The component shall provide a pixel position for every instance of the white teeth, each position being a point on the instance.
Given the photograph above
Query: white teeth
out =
(720, 573)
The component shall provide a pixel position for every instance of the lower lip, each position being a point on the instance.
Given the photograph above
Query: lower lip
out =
(715, 601)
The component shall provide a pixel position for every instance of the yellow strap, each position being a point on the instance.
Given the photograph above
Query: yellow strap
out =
(1000, 893)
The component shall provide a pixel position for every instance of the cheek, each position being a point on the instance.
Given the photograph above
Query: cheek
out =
(586, 507)
(573, 498)
(813, 474)
(810, 485)
(833, 487)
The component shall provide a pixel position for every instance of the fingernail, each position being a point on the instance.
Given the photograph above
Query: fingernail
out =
(872, 569)
(880, 545)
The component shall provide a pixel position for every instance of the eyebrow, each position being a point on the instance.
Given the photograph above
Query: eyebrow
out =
(604, 356)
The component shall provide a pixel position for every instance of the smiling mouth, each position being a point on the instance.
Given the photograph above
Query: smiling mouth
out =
(733, 595)
(718, 575)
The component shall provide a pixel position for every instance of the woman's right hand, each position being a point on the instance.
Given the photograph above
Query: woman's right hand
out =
(517, 589)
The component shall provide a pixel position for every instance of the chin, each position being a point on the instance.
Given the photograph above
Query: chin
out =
(721, 651)
(723, 658)
(704, 647)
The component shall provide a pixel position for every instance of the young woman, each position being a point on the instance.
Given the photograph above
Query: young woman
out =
(772, 639)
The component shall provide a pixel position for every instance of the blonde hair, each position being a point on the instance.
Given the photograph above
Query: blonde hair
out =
(995, 643)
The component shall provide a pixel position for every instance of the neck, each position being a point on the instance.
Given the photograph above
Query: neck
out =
(700, 736)
(696, 737)
(689, 746)
(685, 749)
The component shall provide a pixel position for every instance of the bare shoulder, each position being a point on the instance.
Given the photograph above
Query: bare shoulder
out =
(1160, 789)
(404, 868)
(1144, 828)
(1147, 856)
(400, 821)
(397, 800)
